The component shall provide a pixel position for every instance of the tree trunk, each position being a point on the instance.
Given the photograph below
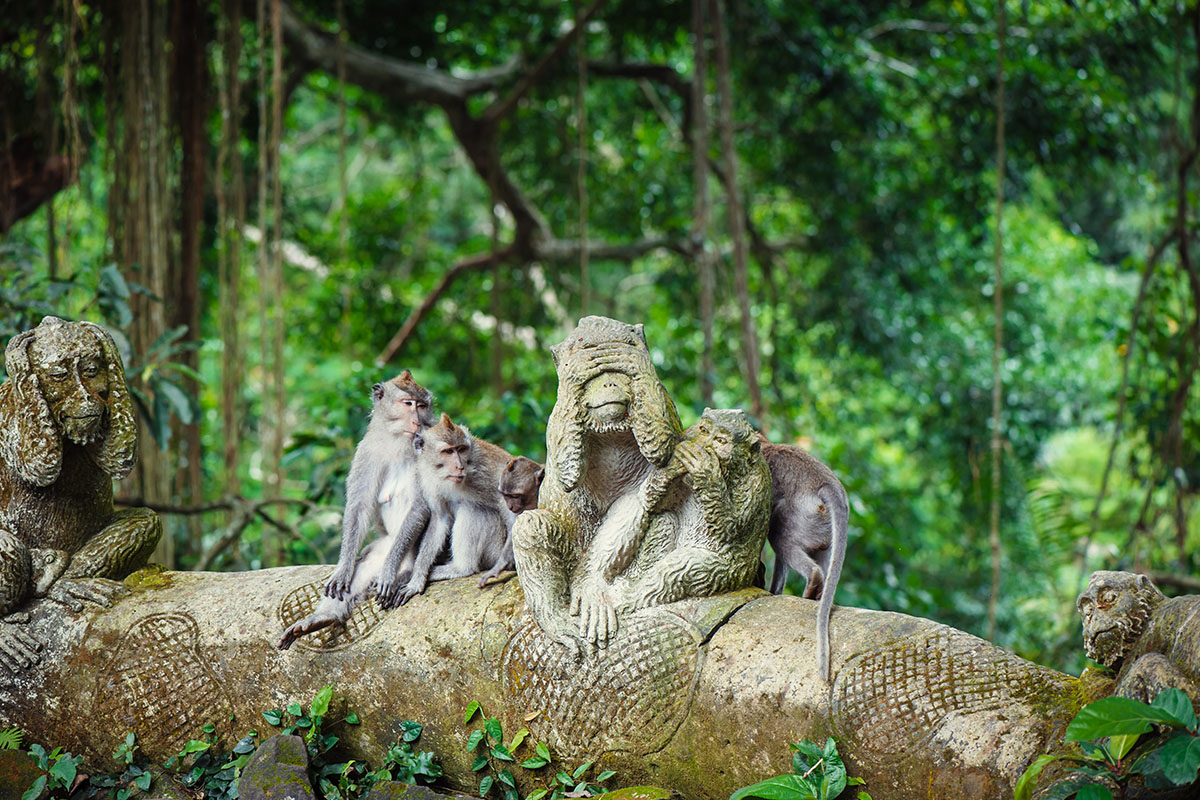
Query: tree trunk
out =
(737, 228)
(700, 246)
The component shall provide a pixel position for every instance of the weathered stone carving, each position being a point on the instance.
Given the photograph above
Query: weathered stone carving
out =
(923, 711)
(1151, 641)
(617, 528)
(66, 431)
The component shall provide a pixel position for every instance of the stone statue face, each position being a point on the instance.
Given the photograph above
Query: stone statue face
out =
(1115, 607)
(722, 429)
(73, 375)
(607, 398)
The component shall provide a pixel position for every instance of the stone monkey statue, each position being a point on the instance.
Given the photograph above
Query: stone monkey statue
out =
(611, 425)
(716, 547)
(381, 488)
(519, 484)
(461, 504)
(67, 430)
(1151, 641)
(809, 513)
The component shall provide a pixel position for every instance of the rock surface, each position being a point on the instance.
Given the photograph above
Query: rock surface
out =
(278, 770)
(702, 696)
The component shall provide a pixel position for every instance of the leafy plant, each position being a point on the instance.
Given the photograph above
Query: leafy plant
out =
(201, 765)
(818, 773)
(1108, 732)
(133, 781)
(11, 738)
(494, 754)
(60, 772)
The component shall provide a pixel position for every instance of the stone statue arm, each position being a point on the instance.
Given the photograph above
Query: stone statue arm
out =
(1150, 674)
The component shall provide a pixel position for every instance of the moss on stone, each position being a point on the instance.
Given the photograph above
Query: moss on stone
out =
(152, 576)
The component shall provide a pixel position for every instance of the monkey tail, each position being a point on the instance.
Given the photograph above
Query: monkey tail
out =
(834, 498)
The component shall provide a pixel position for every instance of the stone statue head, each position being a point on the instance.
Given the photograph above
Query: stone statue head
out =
(725, 430)
(607, 385)
(65, 381)
(1115, 608)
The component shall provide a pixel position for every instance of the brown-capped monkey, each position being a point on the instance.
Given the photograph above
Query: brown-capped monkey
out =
(519, 484)
(809, 512)
(380, 490)
(460, 500)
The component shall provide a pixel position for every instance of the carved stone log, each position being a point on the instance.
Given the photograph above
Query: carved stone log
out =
(702, 695)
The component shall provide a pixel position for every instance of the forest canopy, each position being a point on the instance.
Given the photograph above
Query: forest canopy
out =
(871, 225)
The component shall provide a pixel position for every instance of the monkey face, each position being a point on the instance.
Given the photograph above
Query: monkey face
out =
(607, 398)
(406, 413)
(1114, 608)
(73, 377)
(520, 482)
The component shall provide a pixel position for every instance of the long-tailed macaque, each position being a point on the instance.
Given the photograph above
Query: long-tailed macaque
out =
(460, 501)
(380, 490)
(519, 485)
(809, 512)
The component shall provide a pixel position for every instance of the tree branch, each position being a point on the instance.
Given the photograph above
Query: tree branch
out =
(503, 107)
(392, 78)
(924, 26)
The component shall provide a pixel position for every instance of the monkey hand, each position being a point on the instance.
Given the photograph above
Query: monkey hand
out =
(338, 586)
(656, 486)
(387, 590)
(74, 592)
(18, 649)
(597, 619)
(626, 360)
(414, 588)
(702, 465)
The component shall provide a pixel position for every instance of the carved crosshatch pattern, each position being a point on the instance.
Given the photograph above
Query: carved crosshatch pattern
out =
(630, 697)
(301, 601)
(889, 700)
(158, 685)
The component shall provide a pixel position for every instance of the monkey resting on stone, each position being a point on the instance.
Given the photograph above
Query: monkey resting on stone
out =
(460, 501)
(380, 491)
(809, 512)
(519, 485)
(1153, 642)
(718, 543)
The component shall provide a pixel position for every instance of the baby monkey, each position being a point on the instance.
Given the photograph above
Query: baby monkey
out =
(520, 482)
(809, 512)
(380, 488)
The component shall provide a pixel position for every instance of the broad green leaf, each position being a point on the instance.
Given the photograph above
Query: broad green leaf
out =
(782, 787)
(501, 752)
(320, 703)
(274, 717)
(518, 737)
(64, 771)
(537, 794)
(507, 778)
(603, 776)
(511, 794)
(492, 726)
(1180, 759)
(352, 719)
(412, 730)
(480, 762)
(535, 762)
(1028, 780)
(1175, 702)
(564, 779)
(195, 746)
(1120, 745)
(542, 750)
(472, 707)
(143, 781)
(1094, 791)
(474, 739)
(35, 791)
(582, 768)
(485, 785)
(294, 709)
(1115, 716)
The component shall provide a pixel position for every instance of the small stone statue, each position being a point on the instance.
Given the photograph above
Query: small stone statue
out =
(627, 519)
(66, 431)
(1151, 641)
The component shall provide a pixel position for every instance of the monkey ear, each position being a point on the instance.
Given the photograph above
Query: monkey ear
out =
(639, 330)
(541, 475)
(30, 442)
(117, 452)
(406, 376)
(377, 392)
(446, 421)
(556, 352)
